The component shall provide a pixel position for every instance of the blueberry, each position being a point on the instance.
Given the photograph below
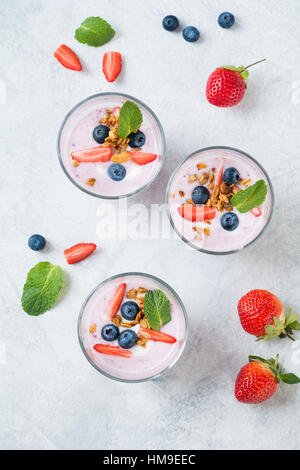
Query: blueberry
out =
(110, 332)
(137, 139)
(170, 23)
(130, 310)
(36, 242)
(226, 20)
(116, 172)
(231, 176)
(191, 34)
(100, 133)
(230, 221)
(127, 339)
(200, 195)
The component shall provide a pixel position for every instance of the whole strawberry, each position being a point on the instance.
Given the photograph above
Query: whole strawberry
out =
(258, 380)
(262, 314)
(226, 85)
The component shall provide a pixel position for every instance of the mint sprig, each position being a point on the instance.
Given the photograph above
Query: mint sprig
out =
(250, 198)
(41, 289)
(157, 309)
(130, 119)
(94, 31)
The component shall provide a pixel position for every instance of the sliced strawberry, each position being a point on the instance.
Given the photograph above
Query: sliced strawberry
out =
(116, 112)
(112, 65)
(67, 58)
(142, 158)
(93, 155)
(79, 252)
(157, 336)
(219, 177)
(115, 301)
(197, 213)
(112, 350)
(256, 212)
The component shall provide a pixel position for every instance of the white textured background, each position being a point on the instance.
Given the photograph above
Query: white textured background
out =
(50, 397)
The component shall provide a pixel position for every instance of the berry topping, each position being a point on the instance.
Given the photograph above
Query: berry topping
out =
(191, 34)
(197, 213)
(200, 195)
(157, 336)
(219, 177)
(256, 212)
(79, 252)
(36, 242)
(142, 158)
(137, 139)
(110, 332)
(116, 172)
(93, 155)
(116, 300)
(231, 176)
(226, 20)
(67, 58)
(112, 65)
(230, 221)
(100, 133)
(112, 350)
(127, 339)
(130, 310)
(170, 23)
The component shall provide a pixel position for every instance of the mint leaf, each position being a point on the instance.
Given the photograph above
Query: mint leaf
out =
(249, 198)
(94, 31)
(157, 309)
(130, 119)
(41, 289)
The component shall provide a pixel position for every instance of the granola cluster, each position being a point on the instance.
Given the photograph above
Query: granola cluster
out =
(113, 140)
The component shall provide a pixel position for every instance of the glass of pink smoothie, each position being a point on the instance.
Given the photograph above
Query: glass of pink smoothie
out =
(154, 353)
(76, 134)
(200, 225)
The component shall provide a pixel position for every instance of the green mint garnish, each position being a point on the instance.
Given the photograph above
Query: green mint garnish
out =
(157, 309)
(94, 31)
(130, 119)
(41, 289)
(250, 198)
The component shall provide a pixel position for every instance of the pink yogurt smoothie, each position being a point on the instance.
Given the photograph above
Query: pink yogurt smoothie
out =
(144, 363)
(77, 134)
(220, 240)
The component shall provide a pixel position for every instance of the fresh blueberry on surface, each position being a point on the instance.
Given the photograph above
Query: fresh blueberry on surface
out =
(100, 133)
(231, 176)
(191, 34)
(229, 221)
(36, 242)
(110, 332)
(116, 172)
(127, 339)
(226, 20)
(137, 139)
(170, 23)
(200, 195)
(130, 310)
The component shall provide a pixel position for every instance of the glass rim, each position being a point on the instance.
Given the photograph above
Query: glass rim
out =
(116, 276)
(124, 95)
(219, 147)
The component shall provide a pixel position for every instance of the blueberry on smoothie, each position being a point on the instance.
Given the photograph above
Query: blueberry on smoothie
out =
(200, 195)
(127, 339)
(100, 133)
(191, 34)
(230, 221)
(170, 23)
(110, 332)
(36, 242)
(137, 139)
(226, 20)
(116, 172)
(130, 310)
(231, 176)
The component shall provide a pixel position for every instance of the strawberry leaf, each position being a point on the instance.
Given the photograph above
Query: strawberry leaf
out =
(290, 379)
(157, 309)
(94, 31)
(130, 119)
(41, 289)
(249, 198)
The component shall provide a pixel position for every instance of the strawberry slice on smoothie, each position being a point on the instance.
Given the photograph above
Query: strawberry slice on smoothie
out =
(115, 301)
(112, 350)
(142, 158)
(157, 336)
(93, 155)
(197, 213)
